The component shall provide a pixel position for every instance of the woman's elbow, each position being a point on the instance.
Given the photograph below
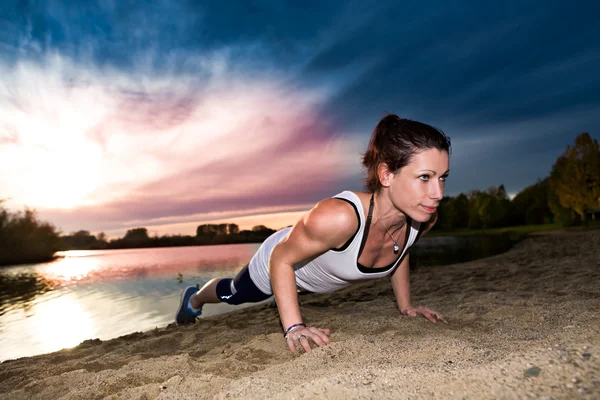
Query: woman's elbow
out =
(275, 260)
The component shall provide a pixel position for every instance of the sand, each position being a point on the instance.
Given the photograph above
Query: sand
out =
(523, 324)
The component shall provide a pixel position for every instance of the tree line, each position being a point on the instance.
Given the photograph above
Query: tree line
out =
(207, 234)
(569, 195)
(493, 208)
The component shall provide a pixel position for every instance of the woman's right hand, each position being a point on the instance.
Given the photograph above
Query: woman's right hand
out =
(302, 337)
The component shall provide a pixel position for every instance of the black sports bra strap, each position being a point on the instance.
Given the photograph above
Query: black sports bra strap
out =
(367, 225)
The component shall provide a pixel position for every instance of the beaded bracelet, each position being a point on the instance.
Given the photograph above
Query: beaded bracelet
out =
(291, 328)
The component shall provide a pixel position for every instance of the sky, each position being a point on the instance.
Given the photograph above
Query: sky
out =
(170, 114)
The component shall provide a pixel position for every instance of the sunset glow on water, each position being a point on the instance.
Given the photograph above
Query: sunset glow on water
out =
(104, 294)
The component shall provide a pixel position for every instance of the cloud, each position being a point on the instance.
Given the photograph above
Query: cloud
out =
(86, 143)
(484, 63)
(185, 112)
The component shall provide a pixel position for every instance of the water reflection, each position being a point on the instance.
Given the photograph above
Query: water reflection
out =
(444, 250)
(61, 323)
(71, 268)
(103, 294)
(21, 289)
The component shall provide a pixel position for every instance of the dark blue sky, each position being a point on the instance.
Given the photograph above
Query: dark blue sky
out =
(512, 83)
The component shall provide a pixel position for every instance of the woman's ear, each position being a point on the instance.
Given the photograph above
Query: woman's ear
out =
(384, 174)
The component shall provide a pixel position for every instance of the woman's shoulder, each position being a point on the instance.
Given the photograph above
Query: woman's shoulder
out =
(354, 196)
(342, 202)
(334, 214)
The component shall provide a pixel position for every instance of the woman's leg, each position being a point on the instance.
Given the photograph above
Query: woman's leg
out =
(208, 294)
(238, 290)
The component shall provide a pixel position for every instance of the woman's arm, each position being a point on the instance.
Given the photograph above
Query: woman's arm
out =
(329, 225)
(401, 284)
(401, 276)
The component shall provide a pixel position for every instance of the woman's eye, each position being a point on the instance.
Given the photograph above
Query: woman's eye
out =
(424, 178)
(443, 178)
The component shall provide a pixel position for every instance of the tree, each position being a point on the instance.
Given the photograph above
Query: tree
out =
(530, 205)
(575, 176)
(560, 215)
(211, 230)
(221, 229)
(82, 239)
(137, 234)
(232, 229)
(489, 209)
(445, 214)
(461, 211)
(25, 239)
(475, 200)
(205, 230)
(496, 207)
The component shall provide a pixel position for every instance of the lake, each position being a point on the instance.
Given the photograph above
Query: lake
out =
(109, 293)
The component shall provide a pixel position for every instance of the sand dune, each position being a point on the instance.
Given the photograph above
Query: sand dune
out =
(524, 324)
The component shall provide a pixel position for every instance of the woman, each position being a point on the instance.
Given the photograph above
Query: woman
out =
(350, 237)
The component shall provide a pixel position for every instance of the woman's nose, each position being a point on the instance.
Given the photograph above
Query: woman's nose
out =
(436, 191)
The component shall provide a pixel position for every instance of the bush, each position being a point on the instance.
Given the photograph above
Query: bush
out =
(24, 239)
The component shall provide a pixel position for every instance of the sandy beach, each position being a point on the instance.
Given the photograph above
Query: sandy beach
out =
(523, 324)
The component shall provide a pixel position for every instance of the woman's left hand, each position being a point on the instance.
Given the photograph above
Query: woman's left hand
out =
(431, 315)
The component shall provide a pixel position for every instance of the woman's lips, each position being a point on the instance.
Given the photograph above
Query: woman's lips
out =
(430, 210)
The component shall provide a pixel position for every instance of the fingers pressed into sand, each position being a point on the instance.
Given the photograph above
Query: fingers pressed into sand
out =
(325, 331)
(290, 344)
(304, 342)
(319, 336)
(429, 316)
(440, 317)
(303, 337)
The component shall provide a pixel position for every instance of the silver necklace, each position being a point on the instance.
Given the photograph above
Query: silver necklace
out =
(396, 246)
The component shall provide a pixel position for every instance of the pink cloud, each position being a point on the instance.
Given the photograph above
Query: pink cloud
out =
(104, 150)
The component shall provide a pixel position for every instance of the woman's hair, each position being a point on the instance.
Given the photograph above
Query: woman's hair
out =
(395, 141)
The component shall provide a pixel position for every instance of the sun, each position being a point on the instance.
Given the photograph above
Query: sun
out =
(59, 170)
(62, 179)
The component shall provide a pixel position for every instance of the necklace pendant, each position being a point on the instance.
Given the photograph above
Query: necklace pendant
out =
(396, 247)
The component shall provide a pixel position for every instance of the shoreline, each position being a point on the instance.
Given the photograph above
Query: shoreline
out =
(519, 230)
(533, 307)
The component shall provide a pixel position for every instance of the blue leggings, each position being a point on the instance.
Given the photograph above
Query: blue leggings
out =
(240, 289)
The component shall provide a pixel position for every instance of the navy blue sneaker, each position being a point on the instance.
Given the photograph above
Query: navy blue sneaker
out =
(185, 315)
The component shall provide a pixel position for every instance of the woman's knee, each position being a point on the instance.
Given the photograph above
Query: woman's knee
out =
(225, 290)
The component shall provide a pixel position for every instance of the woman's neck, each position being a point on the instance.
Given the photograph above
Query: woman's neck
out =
(385, 212)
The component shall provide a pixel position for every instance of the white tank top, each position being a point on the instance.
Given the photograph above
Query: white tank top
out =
(332, 270)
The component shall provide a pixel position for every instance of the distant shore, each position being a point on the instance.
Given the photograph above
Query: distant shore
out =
(259, 237)
(521, 324)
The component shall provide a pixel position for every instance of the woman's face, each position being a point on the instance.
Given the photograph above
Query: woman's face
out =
(417, 188)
